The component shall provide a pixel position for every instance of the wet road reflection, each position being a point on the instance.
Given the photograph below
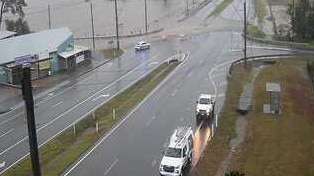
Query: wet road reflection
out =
(202, 135)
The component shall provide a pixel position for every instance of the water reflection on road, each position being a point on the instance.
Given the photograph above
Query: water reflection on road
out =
(202, 135)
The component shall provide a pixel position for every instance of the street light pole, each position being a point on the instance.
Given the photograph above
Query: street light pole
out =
(49, 17)
(117, 28)
(29, 103)
(244, 34)
(146, 28)
(92, 18)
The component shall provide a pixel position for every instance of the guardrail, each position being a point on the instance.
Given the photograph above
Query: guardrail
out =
(250, 58)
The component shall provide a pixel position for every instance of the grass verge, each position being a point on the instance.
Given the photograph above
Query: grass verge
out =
(260, 9)
(111, 53)
(220, 8)
(280, 145)
(217, 148)
(63, 150)
(255, 32)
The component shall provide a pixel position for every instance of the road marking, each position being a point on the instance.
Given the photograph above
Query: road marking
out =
(111, 166)
(165, 144)
(174, 92)
(123, 120)
(12, 129)
(153, 63)
(11, 118)
(154, 162)
(2, 164)
(221, 95)
(190, 74)
(150, 121)
(57, 104)
(269, 48)
(50, 94)
(101, 96)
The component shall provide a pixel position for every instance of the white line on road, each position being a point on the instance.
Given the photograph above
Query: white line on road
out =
(111, 166)
(150, 121)
(153, 63)
(101, 96)
(190, 74)
(57, 104)
(174, 92)
(2, 164)
(12, 129)
(154, 162)
(11, 118)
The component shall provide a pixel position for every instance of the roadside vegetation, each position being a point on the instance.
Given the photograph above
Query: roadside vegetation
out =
(274, 144)
(67, 147)
(283, 144)
(220, 8)
(218, 147)
(260, 9)
(255, 32)
(111, 53)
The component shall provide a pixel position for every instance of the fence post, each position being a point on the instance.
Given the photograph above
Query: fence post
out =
(74, 130)
(97, 126)
(113, 113)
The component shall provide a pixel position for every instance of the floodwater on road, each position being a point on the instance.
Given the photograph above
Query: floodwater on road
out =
(76, 14)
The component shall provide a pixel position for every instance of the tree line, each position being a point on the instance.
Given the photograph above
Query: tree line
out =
(16, 23)
(302, 20)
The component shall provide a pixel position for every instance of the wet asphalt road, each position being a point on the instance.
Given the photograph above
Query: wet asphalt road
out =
(64, 106)
(135, 147)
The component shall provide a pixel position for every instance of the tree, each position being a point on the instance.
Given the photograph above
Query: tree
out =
(14, 7)
(19, 26)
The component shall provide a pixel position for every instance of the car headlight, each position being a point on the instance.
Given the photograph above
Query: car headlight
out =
(161, 167)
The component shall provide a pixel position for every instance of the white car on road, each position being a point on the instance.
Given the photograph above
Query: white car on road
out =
(141, 46)
(205, 106)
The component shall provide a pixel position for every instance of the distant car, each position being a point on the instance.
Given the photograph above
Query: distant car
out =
(142, 46)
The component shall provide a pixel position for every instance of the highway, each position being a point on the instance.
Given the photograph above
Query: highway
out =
(67, 104)
(134, 147)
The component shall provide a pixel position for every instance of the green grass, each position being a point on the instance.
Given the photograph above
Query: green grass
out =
(217, 148)
(255, 32)
(280, 145)
(220, 8)
(63, 150)
(111, 53)
(260, 9)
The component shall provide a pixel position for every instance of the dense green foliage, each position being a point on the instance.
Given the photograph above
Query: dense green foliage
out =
(15, 8)
(302, 20)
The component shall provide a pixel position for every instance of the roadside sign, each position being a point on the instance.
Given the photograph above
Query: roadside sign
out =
(25, 59)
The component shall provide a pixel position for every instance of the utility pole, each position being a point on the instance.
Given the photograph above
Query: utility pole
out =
(244, 34)
(293, 18)
(29, 103)
(117, 28)
(49, 17)
(146, 28)
(187, 5)
(92, 17)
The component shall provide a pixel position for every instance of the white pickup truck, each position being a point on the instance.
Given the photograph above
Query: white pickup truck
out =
(178, 154)
(205, 106)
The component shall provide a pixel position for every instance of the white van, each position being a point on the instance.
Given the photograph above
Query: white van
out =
(178, 154)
